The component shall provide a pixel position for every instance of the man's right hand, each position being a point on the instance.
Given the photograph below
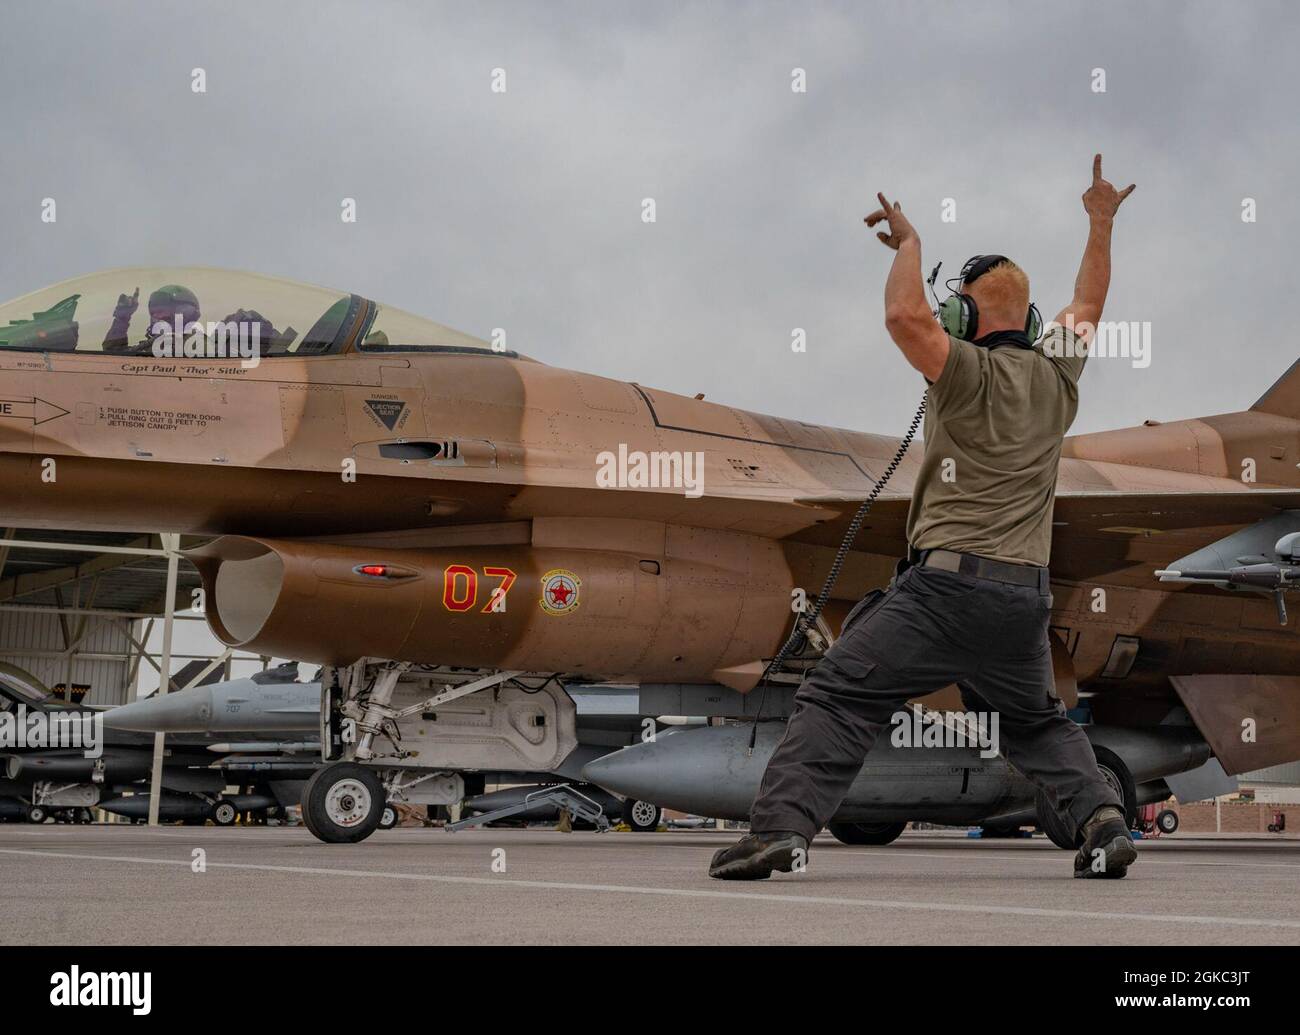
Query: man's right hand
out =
(1101, 200)
(900, 229)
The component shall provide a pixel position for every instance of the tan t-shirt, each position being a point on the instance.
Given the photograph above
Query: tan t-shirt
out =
(993, 429)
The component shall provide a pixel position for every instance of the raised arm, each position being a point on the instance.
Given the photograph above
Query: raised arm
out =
(908, 318)
(1101, 200)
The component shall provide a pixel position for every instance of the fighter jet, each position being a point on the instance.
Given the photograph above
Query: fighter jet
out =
(455, 530)
(266, 703)
(273, 704)
(40, 780)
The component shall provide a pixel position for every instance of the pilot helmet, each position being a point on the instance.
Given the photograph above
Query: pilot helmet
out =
(175, 298)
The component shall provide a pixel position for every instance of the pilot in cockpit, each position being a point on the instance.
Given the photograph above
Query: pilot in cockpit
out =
(165, 305)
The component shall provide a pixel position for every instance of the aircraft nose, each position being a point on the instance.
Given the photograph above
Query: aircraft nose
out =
(182, 712)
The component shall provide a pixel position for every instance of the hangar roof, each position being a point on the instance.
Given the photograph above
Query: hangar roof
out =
(82, 579)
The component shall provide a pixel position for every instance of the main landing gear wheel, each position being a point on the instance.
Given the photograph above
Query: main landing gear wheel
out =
(1115, 773)
(36, 814)
(866, 833)
(343, 803)
(224, 814)
(388, 817)
(641, 816)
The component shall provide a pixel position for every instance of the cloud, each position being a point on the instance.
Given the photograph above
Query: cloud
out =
(522, 210)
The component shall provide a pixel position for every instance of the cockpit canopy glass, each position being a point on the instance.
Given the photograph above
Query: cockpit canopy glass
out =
(196, 311)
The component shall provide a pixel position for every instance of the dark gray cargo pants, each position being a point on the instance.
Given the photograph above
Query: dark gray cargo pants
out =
(929, 629)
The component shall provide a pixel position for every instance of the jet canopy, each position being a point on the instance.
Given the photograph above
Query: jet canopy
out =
(120, 311)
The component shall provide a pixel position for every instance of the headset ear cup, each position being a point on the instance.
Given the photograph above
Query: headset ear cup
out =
(970, 318)
(951, 317)
(1033, 323)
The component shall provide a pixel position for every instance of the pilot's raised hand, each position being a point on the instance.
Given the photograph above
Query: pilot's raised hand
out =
(126, 306)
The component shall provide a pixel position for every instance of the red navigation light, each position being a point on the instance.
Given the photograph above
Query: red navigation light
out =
(377, 570)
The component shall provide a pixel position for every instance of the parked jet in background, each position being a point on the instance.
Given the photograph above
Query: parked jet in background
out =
(39, 782)
(273, 704)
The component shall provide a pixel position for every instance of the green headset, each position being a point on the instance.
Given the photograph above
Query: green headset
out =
(959, 315)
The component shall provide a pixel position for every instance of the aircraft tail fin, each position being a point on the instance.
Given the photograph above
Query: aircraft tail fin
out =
(1283, 398)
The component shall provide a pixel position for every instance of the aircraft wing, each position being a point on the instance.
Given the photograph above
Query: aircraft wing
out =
(1125, 535)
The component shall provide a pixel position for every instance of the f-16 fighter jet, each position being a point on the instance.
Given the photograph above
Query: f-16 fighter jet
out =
(455, 531)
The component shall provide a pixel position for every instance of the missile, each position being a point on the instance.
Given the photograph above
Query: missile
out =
(118, 765)
(266, 747)
(136, 806)
(174, 806)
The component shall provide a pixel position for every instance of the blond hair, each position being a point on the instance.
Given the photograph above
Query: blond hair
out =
(1003, 290)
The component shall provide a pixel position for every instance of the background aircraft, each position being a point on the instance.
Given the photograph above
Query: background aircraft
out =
(273, 704)
(40, 782)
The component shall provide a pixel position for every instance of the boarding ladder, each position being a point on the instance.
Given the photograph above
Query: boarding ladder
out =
(563, 796)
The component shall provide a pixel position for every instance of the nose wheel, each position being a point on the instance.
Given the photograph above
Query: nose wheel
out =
(224, 813)
(343, 803)
(642, 816)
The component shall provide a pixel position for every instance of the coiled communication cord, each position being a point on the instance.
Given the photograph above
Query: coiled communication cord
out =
(807, 618)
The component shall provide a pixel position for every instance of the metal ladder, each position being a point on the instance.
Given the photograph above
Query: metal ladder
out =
(562, 796)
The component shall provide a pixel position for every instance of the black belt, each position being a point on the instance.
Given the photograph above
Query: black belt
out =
(985, 568)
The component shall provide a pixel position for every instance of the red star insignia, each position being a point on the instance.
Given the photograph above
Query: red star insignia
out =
(560, 593)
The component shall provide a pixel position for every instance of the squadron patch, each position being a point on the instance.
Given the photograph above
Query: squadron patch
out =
(560, 591)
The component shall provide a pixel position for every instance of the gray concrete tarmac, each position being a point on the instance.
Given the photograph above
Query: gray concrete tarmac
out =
(119, 884)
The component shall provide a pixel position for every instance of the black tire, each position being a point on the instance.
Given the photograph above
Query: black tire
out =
(866, 833)
(36, 814)
(388, 817)
(224, 813)
(642, 816)
(1167, 821)
(993, 830)
(343, 803)
(1117, 774)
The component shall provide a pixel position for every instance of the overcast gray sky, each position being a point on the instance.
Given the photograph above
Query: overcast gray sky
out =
(522, 210)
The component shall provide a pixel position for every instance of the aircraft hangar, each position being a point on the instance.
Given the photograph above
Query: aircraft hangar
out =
(79, 610)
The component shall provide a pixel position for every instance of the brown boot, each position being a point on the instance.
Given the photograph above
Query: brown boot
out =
(1108, 849)
(755, 856)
